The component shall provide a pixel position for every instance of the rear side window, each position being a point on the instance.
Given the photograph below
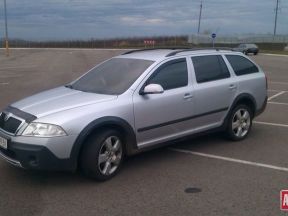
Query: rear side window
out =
(241, 65)
(209, 68)
(173, 74)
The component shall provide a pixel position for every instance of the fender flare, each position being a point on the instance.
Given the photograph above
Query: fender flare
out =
(242, 96)
(130, 142)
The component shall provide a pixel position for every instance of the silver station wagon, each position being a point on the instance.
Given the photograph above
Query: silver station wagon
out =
(131, 103)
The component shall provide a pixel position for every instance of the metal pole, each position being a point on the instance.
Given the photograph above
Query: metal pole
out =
(276, 17)
(6, 29)
(199, 21)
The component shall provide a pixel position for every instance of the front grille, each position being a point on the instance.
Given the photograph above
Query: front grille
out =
(9, 124)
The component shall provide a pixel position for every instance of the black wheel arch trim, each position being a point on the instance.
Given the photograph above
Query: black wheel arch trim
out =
(242, 96)
(130, 142)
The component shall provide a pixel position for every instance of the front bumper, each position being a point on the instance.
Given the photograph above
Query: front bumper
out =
(35, 157)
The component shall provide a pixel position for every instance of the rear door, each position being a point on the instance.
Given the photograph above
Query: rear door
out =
(214, 90)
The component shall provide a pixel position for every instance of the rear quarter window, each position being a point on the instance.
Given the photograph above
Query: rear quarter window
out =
(241, 65)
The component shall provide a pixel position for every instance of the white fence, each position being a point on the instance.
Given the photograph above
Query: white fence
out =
(202, 39)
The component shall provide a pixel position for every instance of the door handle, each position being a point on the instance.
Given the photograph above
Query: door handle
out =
(188, 96)
(232, 86)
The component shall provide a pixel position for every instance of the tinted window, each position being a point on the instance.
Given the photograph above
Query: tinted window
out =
(171, 75)
(113, 76)
(209, 68)
(241, 65)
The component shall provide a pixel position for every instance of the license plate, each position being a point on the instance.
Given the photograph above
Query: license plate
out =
(3, 143)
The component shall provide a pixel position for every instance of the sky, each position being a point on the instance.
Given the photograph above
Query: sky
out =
(85, 19)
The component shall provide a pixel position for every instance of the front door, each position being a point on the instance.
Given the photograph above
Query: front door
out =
(161, 117)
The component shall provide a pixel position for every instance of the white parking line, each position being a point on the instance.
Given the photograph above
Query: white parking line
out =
(276, 95)
(271, 124)
(277, 103)
(275, 90)
(18, 67)
(11, 76)
(270, 54)
(272, 82)
(251, 163)
(89, 49)
(4, 83)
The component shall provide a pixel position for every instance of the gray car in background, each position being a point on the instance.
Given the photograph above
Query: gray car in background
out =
(247, 48)
(130, 103)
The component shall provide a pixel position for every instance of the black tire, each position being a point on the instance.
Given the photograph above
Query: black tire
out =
(246, 125)
(95, 146)
(255, 53)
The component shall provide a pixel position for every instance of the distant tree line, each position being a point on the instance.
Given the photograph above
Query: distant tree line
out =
(134, 42)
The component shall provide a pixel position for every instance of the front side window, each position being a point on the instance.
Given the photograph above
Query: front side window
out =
(114, 76)
(241, 65)
(173, 74)
(210, 68)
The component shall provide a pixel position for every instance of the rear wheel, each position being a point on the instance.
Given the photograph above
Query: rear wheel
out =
(102, 155)
(239, 123)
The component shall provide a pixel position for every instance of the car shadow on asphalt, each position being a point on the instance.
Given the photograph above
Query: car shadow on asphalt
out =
(131, 164)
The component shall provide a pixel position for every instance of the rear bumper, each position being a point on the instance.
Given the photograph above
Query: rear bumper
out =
(253, 50)
(262, 108)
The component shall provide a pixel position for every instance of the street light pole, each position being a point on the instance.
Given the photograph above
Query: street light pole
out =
(6, 30)
(276, 17)
(199, 20)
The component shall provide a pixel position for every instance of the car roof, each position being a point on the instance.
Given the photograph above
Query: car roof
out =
(160, 54)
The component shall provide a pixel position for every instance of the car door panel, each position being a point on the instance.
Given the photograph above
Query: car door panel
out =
(214, 97)
(160, 117)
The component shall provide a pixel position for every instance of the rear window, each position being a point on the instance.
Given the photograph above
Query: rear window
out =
(209, 68)
(241, 65)
(252, 45)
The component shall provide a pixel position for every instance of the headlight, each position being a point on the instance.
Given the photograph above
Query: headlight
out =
(43, 130)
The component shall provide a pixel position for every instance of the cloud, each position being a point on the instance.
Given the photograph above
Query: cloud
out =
(67, 19)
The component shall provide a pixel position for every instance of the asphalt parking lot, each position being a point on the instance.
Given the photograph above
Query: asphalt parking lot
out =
(202, 176)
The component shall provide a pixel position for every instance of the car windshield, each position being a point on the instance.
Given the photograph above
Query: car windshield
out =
(114, 76)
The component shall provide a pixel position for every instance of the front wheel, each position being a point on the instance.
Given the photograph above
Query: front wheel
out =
(102, 155)
(239, 123)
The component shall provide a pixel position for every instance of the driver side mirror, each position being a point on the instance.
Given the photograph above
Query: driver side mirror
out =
(152, 89)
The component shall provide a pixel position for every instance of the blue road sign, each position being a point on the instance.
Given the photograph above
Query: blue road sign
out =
(213, 35)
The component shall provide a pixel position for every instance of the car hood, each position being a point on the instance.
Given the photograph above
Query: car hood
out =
(57, 100)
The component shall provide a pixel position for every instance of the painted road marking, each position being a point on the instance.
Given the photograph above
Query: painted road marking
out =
(11, 76)
(251, 163)
(275, 90)
(283, 83)
(270, 124)
(89, 49)
(277, 103)
(276, 95)
(18, 67)
(270, 54)
(4, 83)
